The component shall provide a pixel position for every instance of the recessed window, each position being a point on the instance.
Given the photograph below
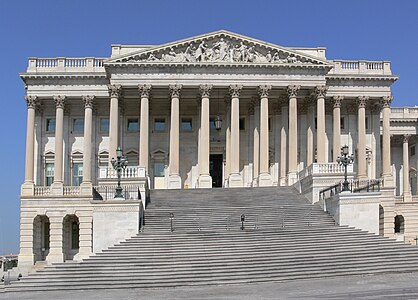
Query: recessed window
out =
(104, 124)
(50, 125)
(159, 124)
(413, 151)
(186, 124)
(159, 169)
(367, 123)
(342, 123)
(75, 235)
(49, 174)
(77, 174)
(212, 123)
(78, 125)
(241, 123)
(133, 125)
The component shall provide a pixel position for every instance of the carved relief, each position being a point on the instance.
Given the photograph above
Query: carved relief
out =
(59, 101)
(235, 90)
(88, 101)
(320, 91)
(114, 90)
(386, 100)
(336, 100)
(292, 90)
(362, 101)
(175, 90)
(144, 90)
(31, 101)
(205, 90)
(264, 90)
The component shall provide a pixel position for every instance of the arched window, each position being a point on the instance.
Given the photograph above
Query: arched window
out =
(40, 237)
(71, 236)
(399, 224)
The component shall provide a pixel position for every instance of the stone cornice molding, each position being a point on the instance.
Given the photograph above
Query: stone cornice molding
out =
(292, 90)
(60, 101)
(31, 101)
(320, 91)
(235, 90)
(88, 101)
(361, 77)
(336, 101)
(264, 91)
(386, 100)
(205, 90)
(362, 101)
(144, 90)
(115, 90)
(175, 90)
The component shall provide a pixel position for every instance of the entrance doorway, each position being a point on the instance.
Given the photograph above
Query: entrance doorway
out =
(215, 169)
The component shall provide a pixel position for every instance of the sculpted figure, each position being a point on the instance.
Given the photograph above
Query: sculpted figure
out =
(188, 53)
(253, 55)
(268, 56)
(243, 52)
(200, 52)
(152, 57)
(291, 59)
(222, 46)
(209, 54)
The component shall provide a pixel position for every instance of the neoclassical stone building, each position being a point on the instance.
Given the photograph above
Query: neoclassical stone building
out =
(219, 110)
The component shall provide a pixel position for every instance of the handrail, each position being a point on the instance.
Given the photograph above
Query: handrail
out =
(107, 192)
(355, 186)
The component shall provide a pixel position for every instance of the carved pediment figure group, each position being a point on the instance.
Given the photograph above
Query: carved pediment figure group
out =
(220, 50)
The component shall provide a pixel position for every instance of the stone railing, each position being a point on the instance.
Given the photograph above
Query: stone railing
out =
(128, 172)
(404, 112)
(107, 192)
(324, 169)
(42, 191)
(361, 67)
(63, 64)
(47, 191)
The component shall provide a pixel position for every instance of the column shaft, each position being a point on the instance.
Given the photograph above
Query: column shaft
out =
(293, 134)
(30, 140)
(114, 93)
(144, 91)
(283, 145)
(87, 141)
(205, 180)
(406, 187)
(386, 155)
(256, 143)
(336, 128)
(320, 133)
(265, 177)
(361, 144)
(175, 130)
(59, 139)
(310, 135)
(235, 179)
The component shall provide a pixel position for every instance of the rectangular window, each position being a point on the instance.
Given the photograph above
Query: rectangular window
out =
(50, 125)
(77, 174)
(212, 123)
(133, 125)
(49, 174)
(104, 124)
(159, 124)
(159, 169)
(241, 123)
(342, 123)
(186, 124)
(78, 125)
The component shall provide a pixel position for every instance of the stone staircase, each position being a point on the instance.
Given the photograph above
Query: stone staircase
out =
(284, 238)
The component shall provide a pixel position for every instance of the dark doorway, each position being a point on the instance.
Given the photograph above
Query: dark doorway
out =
(215, 169)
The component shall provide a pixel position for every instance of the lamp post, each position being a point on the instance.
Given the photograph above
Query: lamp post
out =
(345, 160)
(119, 164)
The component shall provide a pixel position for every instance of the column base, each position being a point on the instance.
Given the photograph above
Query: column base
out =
(174, 181)
(27, 189)
(26, 261)
(55, 258)
(407, 197)
(235, 180)
(86, 188)
(265, 180)
(283, 181)
(81, 255)
(388, 181)
(204, 182)
(254, 183)
(292, 178)
(57, 189)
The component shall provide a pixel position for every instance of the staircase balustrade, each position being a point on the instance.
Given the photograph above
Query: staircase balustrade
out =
(107, 192)
(355, 186)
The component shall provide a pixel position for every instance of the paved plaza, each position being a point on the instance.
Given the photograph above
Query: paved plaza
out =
(391, 286)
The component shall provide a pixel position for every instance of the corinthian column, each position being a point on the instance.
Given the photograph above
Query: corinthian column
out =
(284, 128)
(293, 134)
(114, 93)
(264, 178)
(310, 132)
(256, 141)
(336, 128)
(87, 185)
(205, 180)
(144, 92)
(406, 188)
(174, 180)
(320, 92)
(235, 178)
(57, 186)
(386, 166)
(28, 185)
(361, 144)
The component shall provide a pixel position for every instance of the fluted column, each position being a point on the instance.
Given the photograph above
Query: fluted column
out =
(336, 127)
(87, 185)
(293, 134)
(265, 176)
(320, 92)
(114, 93)
(406, 187)
(386, 155)
(57, 185)
(256, 142)
(284, 128)
(361, 143)
(205, 180)
(144, 92)
(235, 178)
(31, 102)
(174, 180)
(310, 133)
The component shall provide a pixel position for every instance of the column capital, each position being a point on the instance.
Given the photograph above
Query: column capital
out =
(385, 101)
(115, 90)
(264, 90)
(362, 101)
(292, 90)
(320, 91)
(31, 101)
(59, 101)
(144, 90)
(336, 100)
(235, 90)
(175, 90)
(88, 101)
(406, 138)
(205, 90)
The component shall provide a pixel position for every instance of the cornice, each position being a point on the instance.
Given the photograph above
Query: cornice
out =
(62, 75)
(343, 77)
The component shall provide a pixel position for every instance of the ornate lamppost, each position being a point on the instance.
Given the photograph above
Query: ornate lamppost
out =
(345, 160)
(119, 164)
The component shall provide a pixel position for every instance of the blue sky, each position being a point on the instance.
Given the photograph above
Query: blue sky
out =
(355, 29)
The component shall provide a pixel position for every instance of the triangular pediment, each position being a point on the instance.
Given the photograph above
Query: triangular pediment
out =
(220, 47)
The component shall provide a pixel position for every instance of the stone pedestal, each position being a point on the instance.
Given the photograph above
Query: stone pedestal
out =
(292, 178)
(205, 181)
(27, 189)
(86, 188)
(57, 188)
(388, 181)
(174, 181)
(235, 180)
(265, 179)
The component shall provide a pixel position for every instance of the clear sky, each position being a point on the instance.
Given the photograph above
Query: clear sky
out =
(350, 29)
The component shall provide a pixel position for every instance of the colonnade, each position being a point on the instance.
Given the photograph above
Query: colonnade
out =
(288, 135)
